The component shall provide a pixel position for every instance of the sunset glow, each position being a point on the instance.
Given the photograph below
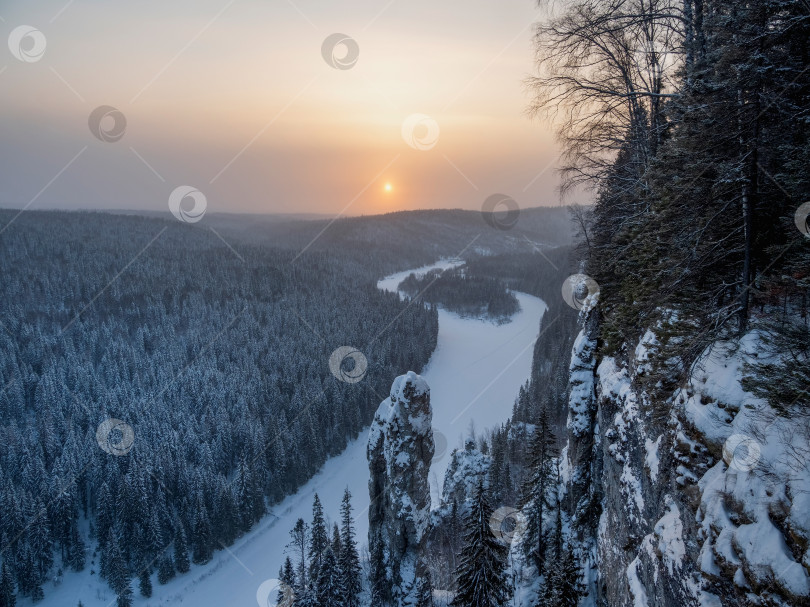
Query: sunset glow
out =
(246, 104)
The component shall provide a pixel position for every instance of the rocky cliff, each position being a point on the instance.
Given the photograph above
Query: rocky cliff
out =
(400, 449)
(690, 495)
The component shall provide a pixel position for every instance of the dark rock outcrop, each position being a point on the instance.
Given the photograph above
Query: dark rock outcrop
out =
(400, 449)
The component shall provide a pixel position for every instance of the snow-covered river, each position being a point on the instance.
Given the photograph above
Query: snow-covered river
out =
(474, 375)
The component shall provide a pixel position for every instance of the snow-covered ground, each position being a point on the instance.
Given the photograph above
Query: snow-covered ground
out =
(474, 375)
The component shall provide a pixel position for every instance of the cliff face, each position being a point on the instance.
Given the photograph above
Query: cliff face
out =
(647, 533)
(695, 497)
(400, 449)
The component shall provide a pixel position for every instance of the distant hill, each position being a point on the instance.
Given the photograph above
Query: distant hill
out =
(392, 241)
(425, 233)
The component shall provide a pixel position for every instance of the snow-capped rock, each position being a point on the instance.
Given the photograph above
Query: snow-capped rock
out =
(467, 467)
(400, 449)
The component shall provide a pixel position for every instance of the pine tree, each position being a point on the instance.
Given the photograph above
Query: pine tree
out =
(299, 542)
(562, 586)
(336, 543)
(535, 490)
(318, 539)
(328, 586)
(202, 548)
(145, 583)
(286, 577)
(481, 578)
(118, 571)
(8, 598)
(349, 559)
(181, 551)
(165, 569)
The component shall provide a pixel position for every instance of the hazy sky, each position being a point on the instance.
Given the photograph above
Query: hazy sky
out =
(234, 98)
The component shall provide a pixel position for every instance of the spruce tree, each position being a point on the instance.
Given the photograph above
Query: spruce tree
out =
(75, 557)
(118, 572)
(145, 583)
(379, 585)
(287, 573)
(181, 551)
(7, 596)
(535, 490)
(105, 512)
(165, 569)
(202, 548)
(306, 598)
(562, 584)
(249, 499)
(328, 586)
(318, 538)
(349, 559)
(336, 543)
(39, 536)
(286, 577)
(481, 578)
(300, 539)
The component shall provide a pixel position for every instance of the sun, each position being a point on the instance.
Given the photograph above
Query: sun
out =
(388, 187)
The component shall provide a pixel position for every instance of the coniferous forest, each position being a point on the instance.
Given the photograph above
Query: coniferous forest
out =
(466, 295)
(219, 364)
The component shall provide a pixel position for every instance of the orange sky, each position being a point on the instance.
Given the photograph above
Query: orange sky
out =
(235, 98)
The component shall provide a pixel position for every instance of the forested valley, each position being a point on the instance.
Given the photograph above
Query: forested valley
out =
(657, 454)
(218, 360)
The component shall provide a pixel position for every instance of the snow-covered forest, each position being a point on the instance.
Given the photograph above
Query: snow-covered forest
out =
(215, 361)
(599, 405)
(462, 294)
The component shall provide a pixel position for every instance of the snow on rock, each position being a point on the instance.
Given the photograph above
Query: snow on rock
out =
(577, 456)
(643, 532)
(467, 467)
(669, 533)
(737, 524)
(636, 587)
(631, 487)
(645, 351)
(651, 459)
(754, 502)
(400, 450)
(581, 381)
(766, 556)
(614, 383)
